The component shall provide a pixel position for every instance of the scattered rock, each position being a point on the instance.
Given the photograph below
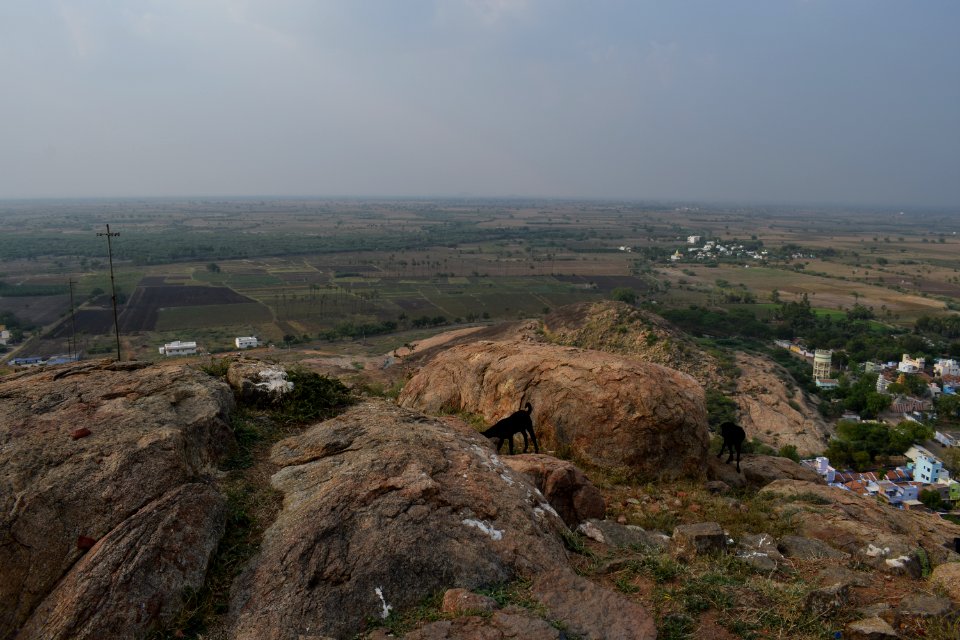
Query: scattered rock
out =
(760, 551)
(691, 540)
(590, 611)
(613, 411)
(826, 600)
(833, 574)
(758, 471)
(500, 626)
(258, 382)
(383, 507)
(717, 486)
(870, 629)
(83, 432)
(565, 486)
(924, 606)
(897, 558)
(464, 601)
(948, 576)
(809, 549)
(877, 610)
(852, 523)
(618, 535)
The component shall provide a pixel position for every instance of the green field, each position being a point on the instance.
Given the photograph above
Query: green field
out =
(403, 261)
(208, 316)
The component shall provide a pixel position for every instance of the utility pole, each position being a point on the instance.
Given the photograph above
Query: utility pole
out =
(113, 288)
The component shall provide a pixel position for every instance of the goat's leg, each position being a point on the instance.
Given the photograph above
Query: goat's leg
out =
(722, 447)
(523, 432)
(738, 457)
(533, 436)
(510, 442)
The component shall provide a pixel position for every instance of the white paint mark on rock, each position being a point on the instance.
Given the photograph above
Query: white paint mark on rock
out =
(386, 607)
(592, 531)
(486, 527)
(546, 507)
(273, 380)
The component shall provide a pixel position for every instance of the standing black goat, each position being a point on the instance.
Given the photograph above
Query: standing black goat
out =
(516, 422)
(733, 436)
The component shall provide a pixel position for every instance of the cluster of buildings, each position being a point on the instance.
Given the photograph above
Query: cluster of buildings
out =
(889, 373)
(900, 487)
(42, 361)
(946, 370)
(712, 250)
(170, 349)
(185, 348)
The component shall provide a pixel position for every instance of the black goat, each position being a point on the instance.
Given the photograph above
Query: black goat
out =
(516, 422)
(733, 436)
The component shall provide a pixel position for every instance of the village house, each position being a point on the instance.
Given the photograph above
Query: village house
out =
(178, 348)
(926, 467)
(947, 438)
(4, 335)
(896, 494)
(822, 466)
(884, 380)
(943, 368)
(909, 404)
(246, 342)
(910, 365)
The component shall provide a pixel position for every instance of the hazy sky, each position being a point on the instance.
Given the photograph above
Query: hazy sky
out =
(854, 101)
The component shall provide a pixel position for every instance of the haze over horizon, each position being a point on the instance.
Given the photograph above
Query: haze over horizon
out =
(800, 101)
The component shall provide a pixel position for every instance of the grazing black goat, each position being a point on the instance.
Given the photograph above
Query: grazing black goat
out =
(516, 422)
(733, 436)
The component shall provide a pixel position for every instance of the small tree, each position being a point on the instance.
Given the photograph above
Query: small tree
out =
(789, 451)
(624, 294)
(213, 267)
(931, 498)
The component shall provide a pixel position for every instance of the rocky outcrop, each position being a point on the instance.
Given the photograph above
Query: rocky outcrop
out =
(383, 507)
(611, 410)
(772, 412)
(758, 471)
(104, 495)
(616, 327)
(876, 534)
(564, 486)
(136, 572)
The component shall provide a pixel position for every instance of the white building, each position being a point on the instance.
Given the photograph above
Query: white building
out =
(910, 365)
(946, 368)
(246, 343)
(822, 466)
(693, 239)
(4, 335)
(178, 348)
(927, 467)
(947, 439)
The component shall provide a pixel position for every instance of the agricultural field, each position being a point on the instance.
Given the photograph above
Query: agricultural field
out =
(311, 270)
